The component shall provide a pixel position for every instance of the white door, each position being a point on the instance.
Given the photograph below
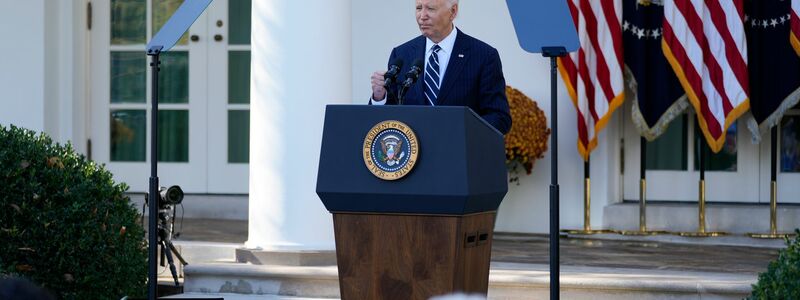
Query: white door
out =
(121, 94)
(732, 175)
(788, 160)
(229, 96)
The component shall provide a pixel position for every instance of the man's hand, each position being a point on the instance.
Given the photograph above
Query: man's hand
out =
(378, 91)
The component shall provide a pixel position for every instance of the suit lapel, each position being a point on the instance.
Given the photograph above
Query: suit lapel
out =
(458, 58)
(416, 89)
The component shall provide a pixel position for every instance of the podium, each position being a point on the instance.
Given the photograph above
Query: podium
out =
(411, 232)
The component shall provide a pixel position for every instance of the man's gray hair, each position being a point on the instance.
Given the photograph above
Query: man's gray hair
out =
(452, 2)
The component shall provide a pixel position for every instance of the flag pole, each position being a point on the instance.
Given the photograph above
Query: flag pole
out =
(587, 206)
(701, 229)
(642, 194)
(773, 193)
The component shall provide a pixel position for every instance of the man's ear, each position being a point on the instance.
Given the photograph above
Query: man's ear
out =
(454, 12)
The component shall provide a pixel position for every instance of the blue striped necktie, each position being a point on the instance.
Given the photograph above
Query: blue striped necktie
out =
(432, 76)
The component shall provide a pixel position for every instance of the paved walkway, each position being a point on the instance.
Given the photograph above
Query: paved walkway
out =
(643, 253)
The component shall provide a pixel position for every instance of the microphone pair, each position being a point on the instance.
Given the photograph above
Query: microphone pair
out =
(412, 75)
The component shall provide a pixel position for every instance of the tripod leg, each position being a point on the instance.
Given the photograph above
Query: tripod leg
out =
(178, 255)
(161, 246)
(171, 262)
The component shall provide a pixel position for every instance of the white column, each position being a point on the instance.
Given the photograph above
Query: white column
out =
(22, 75)
(301, 61)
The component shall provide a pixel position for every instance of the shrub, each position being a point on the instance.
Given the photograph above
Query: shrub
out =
(782, 278)
(64, 223)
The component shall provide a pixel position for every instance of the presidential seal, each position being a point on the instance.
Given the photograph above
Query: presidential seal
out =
(390, 150)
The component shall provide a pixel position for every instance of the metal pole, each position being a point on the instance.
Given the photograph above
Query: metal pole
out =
(773, 195)
(587, 197)
(642, 193)
(702, 196)
(555, 269)
(773, 192)
(643, 185)
(152, 278)
(587, 205)
(701, 228)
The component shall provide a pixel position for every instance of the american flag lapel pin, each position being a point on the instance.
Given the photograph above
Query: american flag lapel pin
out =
(461, 56)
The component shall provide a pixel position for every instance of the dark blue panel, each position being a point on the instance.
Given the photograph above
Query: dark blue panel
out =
(452, 174)
(543, 23)
(179, 23)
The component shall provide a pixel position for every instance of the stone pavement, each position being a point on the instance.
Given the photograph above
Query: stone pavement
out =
(642, 253)
(593, 267)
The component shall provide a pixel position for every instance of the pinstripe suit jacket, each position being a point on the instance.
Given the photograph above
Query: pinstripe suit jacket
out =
(474, 78)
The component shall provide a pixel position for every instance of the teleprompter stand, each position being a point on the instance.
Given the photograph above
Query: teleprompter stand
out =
(162, 42)
(546, 27)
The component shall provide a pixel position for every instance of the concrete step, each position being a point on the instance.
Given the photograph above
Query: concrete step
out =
(198, 253)
(241, 278)
(506, 281)
(736, 219)
(228, 296)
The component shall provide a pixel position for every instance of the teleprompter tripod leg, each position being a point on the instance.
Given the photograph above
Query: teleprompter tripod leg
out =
(162, 256)
(171, 262)
(178, 255)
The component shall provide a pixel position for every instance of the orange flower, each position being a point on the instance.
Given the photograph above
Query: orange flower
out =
(527, 140)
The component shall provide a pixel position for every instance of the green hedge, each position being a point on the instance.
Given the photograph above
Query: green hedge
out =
(782, 278)
(64, 223)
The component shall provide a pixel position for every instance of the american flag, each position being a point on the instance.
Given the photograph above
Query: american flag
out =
(593, 75)
(795, 35)
(704, 41)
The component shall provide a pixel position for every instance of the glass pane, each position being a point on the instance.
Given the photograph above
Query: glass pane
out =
(238, 136)
(239, 18)
(239, 77)
(173, 80)
(128, 77)
(128, 19)
(162, 10)
(790, 144)
(725, 160)
(173, 135)
(128, 135)
(669, 151)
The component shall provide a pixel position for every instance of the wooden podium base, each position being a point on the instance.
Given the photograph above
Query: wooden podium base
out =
(394, 256)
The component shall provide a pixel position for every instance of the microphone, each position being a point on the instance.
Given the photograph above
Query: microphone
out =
(391, 75)
(413, 73)
(411, 76)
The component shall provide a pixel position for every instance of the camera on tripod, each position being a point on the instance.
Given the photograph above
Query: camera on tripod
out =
(168, 198)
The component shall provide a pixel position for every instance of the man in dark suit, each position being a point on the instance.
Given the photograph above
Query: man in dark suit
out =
(459, 69)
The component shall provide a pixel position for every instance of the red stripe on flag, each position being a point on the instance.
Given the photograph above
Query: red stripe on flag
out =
(710, 61)
(583, 70)
(616, 31)
(601, 66)
(735, 59)
(691, 76)
(583, 134)
(794, 36)
(574, 12)
(796, 22)
(739, 4)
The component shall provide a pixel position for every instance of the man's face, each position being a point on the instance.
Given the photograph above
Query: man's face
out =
(435, 18)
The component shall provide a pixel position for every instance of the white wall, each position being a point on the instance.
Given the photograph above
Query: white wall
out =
(22, 63)
(380, 25)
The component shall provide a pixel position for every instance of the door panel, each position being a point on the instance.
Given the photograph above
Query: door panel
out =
(229, 97)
